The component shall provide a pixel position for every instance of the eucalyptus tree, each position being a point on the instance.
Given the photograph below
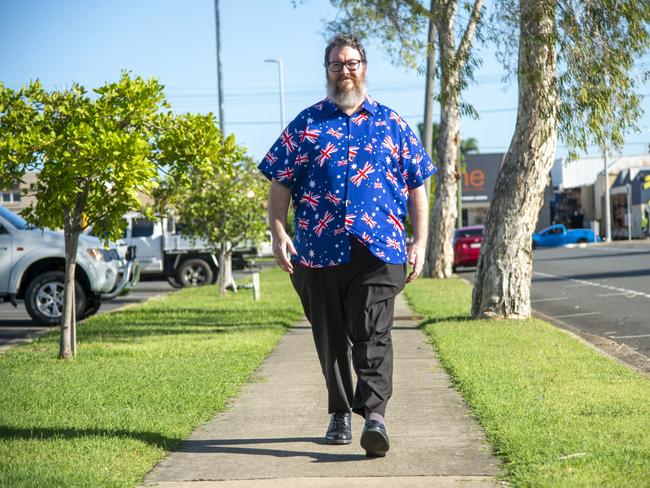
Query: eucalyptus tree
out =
(574, 66)
(94, 155)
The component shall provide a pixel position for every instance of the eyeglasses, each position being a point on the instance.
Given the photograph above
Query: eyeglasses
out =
(350, 64)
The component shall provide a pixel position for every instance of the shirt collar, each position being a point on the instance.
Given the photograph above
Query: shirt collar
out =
(369, 105)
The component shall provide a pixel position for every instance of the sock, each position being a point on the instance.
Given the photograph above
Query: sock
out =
(376, 416)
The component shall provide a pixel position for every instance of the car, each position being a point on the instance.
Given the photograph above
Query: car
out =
(559, 235)
(32, 265)
(467, 245)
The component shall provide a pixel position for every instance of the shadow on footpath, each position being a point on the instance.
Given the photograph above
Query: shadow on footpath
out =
(229, 446)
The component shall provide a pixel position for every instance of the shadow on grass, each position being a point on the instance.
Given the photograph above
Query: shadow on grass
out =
(441, 320)
(236, 446)
(45, 433)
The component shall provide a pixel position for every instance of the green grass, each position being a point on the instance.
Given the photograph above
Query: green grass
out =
(557, 412)
(143, 379)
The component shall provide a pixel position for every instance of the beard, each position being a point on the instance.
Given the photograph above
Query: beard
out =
(347, 97)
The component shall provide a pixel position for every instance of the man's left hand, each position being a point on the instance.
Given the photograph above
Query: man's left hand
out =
(416, 259)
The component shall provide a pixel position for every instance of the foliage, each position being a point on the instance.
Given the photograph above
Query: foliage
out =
(148, 376)
(597, 44)
(556, 411)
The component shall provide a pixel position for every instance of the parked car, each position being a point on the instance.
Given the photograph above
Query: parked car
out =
(32, 268)
(467, 245)
(559, 235)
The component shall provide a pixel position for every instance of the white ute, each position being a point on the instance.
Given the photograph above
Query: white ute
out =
(32, 268)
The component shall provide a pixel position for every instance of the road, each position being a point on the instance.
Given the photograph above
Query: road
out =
(603, 290)
(16, 326)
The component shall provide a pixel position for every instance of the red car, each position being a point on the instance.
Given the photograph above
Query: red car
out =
(467, 245)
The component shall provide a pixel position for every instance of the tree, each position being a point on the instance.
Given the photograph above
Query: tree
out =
(574, 74)
(401, 24)
(226, 209)
(95, 154)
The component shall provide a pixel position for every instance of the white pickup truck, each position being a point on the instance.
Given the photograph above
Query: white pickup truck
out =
(32, 268)
(163, 252)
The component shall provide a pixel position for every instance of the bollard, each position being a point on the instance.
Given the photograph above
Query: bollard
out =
(256, 286)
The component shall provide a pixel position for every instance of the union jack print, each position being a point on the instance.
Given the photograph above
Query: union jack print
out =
(368, 148)
(285, 174)
(322, 223)
(310, 199)
(367, 238)
(362, 174)
(318, 106)
(335, 133)
(417, 158)
(406, 152)
(287, 141)
(309, 263)
(359, 119)
(349, 220)
(338, 231)
(380, 123)
(380, 254)
(379, 185)
(405, 192)
(301, 158)
(368, 220)
(352, 152)
(391, 177)
(270, 157)
(405, 174)
(396, 222)
(414, 140)
(332, 198)
(398, 119)
(342, 162)
(310, 135)
(394, 243)
(391, 146)
(303, 223)
(326, 154)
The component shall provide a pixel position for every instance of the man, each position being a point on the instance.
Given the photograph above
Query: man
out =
(353, 169)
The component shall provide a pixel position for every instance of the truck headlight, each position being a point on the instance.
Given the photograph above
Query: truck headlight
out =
(95, 253)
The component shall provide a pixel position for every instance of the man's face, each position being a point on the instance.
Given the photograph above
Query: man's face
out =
(345, 80)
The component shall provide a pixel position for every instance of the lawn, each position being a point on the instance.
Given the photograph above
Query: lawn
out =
(143, 379)
(557, 412)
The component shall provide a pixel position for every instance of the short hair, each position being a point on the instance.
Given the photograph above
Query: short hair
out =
(344, 40)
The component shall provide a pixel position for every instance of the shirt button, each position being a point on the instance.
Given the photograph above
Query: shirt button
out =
(348, 202)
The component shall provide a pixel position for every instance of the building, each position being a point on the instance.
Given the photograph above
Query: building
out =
(18, 197)
(579, 193)
(479, 180)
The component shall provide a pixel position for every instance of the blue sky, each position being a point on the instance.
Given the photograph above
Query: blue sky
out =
(91, 41)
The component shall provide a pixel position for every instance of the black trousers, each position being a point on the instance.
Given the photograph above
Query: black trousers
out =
(350, 308)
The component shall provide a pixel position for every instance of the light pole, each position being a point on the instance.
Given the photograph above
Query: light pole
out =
(281, 73)
(608, 224)
(222, 123)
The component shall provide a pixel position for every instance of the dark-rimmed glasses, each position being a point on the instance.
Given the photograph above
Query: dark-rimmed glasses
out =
(350, 64)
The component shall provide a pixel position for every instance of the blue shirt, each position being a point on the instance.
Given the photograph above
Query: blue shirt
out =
(348, 174)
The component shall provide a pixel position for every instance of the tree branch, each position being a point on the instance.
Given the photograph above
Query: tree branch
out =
(468, 36)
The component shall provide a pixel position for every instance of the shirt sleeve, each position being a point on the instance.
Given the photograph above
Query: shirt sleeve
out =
(415, 160)
(283, 160)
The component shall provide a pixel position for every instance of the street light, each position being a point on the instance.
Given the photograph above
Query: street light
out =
(281, 73)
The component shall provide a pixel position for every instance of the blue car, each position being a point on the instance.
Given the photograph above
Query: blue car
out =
(559, 235)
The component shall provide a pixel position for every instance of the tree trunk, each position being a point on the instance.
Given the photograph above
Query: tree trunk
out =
(427, 131)
(67, 349)
(502, 285)
(444, 208)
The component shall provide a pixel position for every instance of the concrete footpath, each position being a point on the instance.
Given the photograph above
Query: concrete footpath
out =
(272, 434)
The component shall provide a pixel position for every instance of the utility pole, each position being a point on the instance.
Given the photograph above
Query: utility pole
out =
(281, 74)
(608, 224)
(222, 123)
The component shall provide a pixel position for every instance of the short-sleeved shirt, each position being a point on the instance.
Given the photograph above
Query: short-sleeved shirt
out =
(348, 175)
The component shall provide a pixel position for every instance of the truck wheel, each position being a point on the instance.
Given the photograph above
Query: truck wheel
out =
(93, 304)
(44, 298)
(194, 272)
(172, 281)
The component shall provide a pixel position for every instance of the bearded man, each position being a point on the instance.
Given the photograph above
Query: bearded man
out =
(353, 169)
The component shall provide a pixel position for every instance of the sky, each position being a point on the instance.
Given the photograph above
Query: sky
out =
(91, 41)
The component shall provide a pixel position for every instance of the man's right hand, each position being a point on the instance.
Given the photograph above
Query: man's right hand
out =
(282, 246)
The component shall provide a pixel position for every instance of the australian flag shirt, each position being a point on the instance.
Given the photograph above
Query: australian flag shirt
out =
(348, 175)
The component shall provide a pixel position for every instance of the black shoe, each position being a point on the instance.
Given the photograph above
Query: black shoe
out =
(339, 430)
(374, 439)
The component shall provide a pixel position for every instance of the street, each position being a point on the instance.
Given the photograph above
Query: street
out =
(16, 326)
(603, 290)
